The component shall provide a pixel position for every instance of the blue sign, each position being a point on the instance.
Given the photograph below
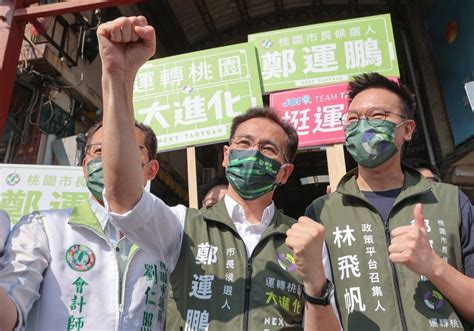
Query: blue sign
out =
(452, 37)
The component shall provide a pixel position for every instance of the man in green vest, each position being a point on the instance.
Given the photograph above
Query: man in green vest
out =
(400, 248)
(234, 266)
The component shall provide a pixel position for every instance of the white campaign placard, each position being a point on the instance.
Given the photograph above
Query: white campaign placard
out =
(26, 188)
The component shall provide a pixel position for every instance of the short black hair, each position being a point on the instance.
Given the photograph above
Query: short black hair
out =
(421, 164)
(269, 113)
(92, 130)
(216, 181)
(375, 80)
(151, 142)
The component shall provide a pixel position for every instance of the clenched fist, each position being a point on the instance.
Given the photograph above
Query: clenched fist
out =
(306, 239)
(411, 247)
(125, 44)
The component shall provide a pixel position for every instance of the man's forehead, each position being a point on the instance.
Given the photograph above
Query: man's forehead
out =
(216, 193)
(260, 129)
(97, 136)
(216, 189)
(373, 98)
(139, 134)
(425, 172)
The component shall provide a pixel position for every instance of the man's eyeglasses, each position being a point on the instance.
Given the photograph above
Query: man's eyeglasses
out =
(268, 149)
(375, 117)
(95, 150)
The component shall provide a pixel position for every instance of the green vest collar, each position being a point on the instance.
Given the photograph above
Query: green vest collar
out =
(414, 184)
(279, 225)
(83, 215)
(218, 213)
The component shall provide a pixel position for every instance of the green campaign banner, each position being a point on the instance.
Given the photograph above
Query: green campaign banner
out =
(325, 54)
(190, 99)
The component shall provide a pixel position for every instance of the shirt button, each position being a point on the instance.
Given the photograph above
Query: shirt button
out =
(117, 249)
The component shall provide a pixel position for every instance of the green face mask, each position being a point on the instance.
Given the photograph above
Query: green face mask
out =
(251, 173)
(371, 146)
(95, 178)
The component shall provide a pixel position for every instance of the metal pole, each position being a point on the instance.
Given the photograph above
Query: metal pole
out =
(67, 7)
(420, 107)
(13, 18)
(11, 37)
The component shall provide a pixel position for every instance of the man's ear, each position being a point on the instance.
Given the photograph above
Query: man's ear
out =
(409, 129)
(285, 172)
(84, 168)
(152, 170)
(225, 159)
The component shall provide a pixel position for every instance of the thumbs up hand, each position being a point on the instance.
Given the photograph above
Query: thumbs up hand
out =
(418, 216)
(410, 246)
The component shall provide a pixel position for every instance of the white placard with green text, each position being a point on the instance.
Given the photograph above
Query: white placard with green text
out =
(26, 188)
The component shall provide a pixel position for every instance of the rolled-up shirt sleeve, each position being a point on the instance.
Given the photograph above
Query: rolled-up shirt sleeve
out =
(153, 226)
(25, 259)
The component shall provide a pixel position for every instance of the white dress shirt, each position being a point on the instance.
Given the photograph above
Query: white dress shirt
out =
(250, 233)
(151, 221)
(120, 243)
(155, 225)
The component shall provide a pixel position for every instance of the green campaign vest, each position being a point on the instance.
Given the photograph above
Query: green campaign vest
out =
(215, 285)
(371, 292)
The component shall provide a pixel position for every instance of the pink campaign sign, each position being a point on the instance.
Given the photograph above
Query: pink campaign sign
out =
(314, 112)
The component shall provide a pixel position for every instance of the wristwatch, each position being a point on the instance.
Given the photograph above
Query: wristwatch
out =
(325, 299)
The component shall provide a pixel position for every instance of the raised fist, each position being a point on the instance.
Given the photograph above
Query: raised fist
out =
(125, 44)
(306, 239)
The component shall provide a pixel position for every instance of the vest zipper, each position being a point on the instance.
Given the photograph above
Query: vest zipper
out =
(120, 310)
(397, 284)
(388, 241)
(124, 282)
(248, 285)
(248, 276)
(120, 304)
(392, 265)
(248, 280)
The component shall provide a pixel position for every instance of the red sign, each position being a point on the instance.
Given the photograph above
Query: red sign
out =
(314, 112)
